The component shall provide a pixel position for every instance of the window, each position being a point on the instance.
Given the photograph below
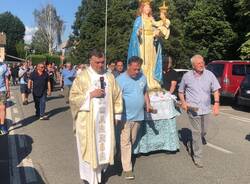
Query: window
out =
(217, 69)
(239, 70)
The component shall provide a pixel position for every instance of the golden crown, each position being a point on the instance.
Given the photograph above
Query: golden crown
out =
(145, 1)
(163, 8)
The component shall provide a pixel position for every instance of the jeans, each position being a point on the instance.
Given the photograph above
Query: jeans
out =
(40, 104)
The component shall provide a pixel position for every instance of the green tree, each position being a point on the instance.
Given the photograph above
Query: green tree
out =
(50, 28)
(244, 13)
(39, 44)
(89, 28)
(15, 31)
(207, 32)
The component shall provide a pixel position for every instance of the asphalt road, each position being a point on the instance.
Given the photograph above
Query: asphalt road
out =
(45, 151)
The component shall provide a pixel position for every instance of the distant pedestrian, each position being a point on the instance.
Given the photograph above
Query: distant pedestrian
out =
(39, 82)
(67, 76)
(4, 94)
(118, 68)
(14, 74)
(195, 91)
(52, 75)
(111, 66)
(169, 76)
(23, 75)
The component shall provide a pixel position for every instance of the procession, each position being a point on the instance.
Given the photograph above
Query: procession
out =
(123, 111)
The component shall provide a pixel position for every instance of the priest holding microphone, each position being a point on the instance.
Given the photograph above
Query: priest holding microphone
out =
(95, 98)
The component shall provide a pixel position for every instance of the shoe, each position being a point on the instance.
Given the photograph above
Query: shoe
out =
(198, 164)
(3, 130)
(129, 175)
(204, 142)
(44, 118)
(25, 103)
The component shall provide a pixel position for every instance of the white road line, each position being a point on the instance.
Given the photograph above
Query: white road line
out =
(26, 163)
(219, 148)
(14, 170)
(234, 116)
(240, 119)
(15, 110)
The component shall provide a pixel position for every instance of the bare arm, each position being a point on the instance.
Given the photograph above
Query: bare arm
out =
(173, 86)
(30, 84)
(147, 101)
(183, 101)
(49, 88)
(216, 102)
(7, 83)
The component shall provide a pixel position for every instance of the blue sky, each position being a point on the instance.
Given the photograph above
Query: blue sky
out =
(23, 9)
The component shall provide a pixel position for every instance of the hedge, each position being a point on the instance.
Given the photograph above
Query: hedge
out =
(41, 58)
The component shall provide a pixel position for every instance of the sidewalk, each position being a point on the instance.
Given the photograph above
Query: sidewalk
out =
(4, 160)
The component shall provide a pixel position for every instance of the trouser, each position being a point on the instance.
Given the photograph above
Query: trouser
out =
(129, 132)
(40, 104)
(66, 92)
(199, 126)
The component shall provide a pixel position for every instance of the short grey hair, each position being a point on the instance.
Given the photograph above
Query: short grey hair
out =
(197, 56)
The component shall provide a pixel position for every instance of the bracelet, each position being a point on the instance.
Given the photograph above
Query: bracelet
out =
(216, 101)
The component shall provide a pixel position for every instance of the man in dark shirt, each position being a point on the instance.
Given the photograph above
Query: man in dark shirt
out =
(39, 79)
(169, 76)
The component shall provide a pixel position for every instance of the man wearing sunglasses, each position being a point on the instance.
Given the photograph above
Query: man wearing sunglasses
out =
(39, 80)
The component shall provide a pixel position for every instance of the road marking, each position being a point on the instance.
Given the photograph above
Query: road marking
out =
(15, 110)
(225, 109)
(247, 120)
(219, 148)
(241, 119)
(14, 170)
(26, 163)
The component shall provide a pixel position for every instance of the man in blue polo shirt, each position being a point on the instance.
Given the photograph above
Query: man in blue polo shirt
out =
(4, 94)
(67, 77)
(135, 98)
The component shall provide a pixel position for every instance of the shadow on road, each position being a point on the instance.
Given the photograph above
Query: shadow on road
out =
(57, 111)
(54, 97)
(24, 122)
(22, 149)
(185, 136)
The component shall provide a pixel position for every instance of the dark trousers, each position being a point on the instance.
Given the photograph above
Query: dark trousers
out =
(40, 104)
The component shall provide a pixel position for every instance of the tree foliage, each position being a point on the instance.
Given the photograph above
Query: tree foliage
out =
(15, 31)
(50, 29)
(197, 26)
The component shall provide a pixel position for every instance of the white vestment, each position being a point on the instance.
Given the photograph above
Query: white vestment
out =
(102, 131)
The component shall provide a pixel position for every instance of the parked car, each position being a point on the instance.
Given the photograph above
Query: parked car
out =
(244, 92)
(180, 73)
(230, 75)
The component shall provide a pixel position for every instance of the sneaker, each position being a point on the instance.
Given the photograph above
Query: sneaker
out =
(44, 118)
(3, 131)
(198, 164)
(129, 175)
(25, 103)
(204, 142)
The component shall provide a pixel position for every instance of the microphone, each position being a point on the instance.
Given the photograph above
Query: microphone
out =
(102, 82)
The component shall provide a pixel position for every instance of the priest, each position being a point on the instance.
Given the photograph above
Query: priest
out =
(95, 98)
